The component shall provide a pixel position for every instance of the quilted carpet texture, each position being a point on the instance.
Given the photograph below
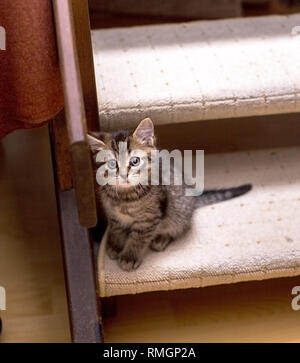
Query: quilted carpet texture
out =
(253, 237)
(197, 71)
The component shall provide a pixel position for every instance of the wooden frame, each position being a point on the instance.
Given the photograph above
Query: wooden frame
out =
(79, 259)
(75, 108)
(73, 167)
(79, 267)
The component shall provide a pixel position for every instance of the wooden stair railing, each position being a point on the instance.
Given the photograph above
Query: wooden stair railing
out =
(75, 112)
(72, 161)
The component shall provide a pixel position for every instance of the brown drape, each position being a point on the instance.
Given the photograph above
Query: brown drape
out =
(30, 84)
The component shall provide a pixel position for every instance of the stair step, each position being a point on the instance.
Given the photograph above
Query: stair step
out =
(253, 237)
(197, 71)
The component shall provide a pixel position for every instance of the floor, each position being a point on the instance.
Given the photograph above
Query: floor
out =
(30, 259)
(31, 272)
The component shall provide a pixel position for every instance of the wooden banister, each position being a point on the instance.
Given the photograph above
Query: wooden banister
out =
(82, 172)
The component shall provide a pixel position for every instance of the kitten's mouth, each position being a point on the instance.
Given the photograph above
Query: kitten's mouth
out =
(124, 185)
(127, 183)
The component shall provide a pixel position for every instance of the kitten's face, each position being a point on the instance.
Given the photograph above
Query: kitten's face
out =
(123, 158)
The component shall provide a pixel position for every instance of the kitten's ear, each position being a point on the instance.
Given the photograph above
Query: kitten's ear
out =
(144, 133)
(95, 144)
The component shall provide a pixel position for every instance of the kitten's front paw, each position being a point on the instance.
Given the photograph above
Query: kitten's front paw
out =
(112, 252)
(160, 243)
(128, 261)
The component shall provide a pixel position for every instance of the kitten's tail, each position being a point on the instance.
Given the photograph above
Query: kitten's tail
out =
(219, 195)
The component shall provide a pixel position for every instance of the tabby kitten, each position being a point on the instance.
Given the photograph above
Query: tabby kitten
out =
(142, 216)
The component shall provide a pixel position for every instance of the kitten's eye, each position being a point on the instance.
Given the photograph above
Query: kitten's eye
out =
(134, 161)
(112, 164)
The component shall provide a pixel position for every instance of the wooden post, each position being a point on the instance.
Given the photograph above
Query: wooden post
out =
(83, 178)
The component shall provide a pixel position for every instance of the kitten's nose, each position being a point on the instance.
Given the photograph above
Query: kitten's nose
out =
(123, 176)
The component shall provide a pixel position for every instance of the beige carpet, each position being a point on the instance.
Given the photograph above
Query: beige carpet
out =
(254, 237)
(197, 71)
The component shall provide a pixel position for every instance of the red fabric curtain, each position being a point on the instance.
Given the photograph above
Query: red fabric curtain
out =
(30, 84)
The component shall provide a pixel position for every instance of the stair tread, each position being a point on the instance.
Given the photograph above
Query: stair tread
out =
(197, 71)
